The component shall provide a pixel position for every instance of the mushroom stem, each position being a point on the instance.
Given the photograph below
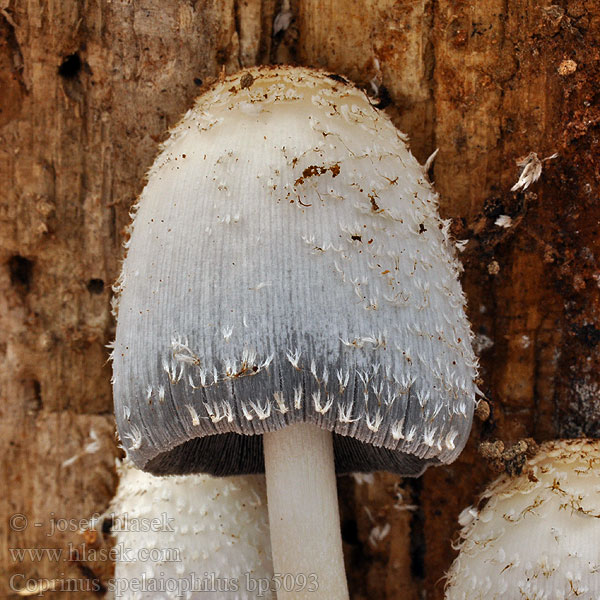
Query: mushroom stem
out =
(303, 513)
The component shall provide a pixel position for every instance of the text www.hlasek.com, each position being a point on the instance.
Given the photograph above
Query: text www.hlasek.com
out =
(118, 553)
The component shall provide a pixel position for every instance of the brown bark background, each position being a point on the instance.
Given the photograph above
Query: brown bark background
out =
(87, 90)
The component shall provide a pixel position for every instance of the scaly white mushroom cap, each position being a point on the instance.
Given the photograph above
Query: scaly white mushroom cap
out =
(287, 263)
(190, 535)
(538, 535)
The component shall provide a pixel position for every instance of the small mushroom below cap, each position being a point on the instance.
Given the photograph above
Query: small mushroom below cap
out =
(534, 536)
(190, 536)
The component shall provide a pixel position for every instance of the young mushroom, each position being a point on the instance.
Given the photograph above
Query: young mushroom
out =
(288, 275)
(534, 536)
(190, 536)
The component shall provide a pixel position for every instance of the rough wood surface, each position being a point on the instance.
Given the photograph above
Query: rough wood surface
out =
(88, 89)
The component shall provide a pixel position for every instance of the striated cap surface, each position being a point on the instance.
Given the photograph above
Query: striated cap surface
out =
(287, 263)
(536, 535)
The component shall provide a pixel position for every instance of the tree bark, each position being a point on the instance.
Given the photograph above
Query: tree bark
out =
(87, 91)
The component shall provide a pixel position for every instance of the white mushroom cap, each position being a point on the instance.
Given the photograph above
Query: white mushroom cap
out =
(189, 535)
(287, 263)
(538, 535)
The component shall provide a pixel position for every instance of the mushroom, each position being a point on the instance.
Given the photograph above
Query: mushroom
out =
(190, 536)
(534, 536)
(289, 281)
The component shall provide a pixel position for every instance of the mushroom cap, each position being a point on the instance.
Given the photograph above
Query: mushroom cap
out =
(185, 536)
(537, 535)
(287, 263)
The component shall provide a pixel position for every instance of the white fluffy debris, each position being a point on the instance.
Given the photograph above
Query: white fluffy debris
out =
(90, 448)
(429, 161)
(503, 221)
(362, 478)
(532, 169)
(283, 19)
